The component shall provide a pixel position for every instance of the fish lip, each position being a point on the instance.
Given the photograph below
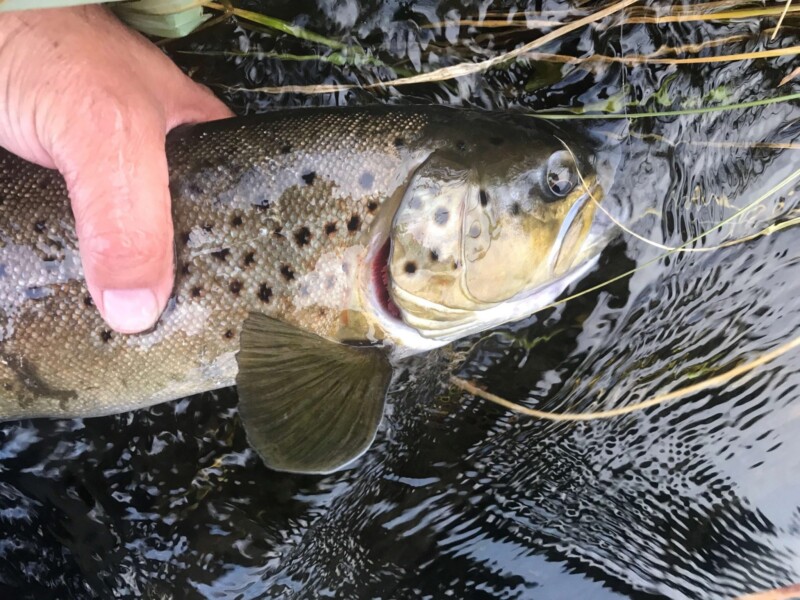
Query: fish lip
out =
(573, 215)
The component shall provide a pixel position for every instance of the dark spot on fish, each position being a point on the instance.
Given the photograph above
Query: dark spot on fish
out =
(399, 142)
(185, 237)
(264, 292)
(208, 227)
(287, 272)
(206, 163)
(309, 177)
(87, 301)
(322, 312)
(372, 205)
(49, 258)
(441, 216)
(229, 334)
(330, 228)
(411, 267)
(366, 180)
(197, 291)
(455, 264)
(185, 270)
(221, 255)
(40, 226)
(236, 221)
(302, 236)
(55, 244)
(277, 232)
(484, 197)
(285, 149)
(354, 224)
(235, 287)
(194, 188)
(496, 141)
(461, 145)
(249, 259)
(105, 335)
(262, 206)
(515, 209)
(434, 255)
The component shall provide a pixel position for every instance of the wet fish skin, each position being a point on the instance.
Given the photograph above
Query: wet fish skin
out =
(273, 215)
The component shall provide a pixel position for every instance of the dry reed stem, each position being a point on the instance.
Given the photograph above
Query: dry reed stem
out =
(780, 21)
(463, 69)
(744, 13)
(637, 60)
(789, 77)
(700, 386)
(785, 593)
(495, 24)
(452, 72)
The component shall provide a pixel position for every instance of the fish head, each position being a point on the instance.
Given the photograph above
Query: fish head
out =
(481, 238)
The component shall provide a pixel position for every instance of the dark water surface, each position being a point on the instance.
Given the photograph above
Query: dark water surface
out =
(698, 498)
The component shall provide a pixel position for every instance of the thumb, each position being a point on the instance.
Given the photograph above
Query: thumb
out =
(119, 188)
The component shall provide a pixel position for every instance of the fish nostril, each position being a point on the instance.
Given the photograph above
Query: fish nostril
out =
(411, 267)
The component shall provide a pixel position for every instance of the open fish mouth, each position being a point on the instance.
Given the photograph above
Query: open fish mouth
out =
(380, 280)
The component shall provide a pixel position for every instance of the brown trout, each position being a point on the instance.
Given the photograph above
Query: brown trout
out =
(312, 246)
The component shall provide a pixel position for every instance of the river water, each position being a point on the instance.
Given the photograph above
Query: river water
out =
(696, 498)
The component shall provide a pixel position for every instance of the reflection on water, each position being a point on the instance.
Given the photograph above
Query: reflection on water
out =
(694, 499)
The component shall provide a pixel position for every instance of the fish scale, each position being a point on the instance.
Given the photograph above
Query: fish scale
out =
(239, 199)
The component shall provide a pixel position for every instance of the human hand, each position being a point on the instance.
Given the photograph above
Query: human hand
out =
(82, 93)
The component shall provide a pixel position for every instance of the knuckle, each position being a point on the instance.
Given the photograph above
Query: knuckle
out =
(121, 249)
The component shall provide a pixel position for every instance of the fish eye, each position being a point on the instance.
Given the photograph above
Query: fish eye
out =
(561, 174)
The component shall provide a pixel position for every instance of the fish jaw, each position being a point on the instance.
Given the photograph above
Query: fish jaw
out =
(508, 311)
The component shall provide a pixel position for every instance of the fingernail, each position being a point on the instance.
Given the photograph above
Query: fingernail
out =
(130, 311)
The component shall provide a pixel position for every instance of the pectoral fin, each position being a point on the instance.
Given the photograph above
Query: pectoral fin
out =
(308, 405)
